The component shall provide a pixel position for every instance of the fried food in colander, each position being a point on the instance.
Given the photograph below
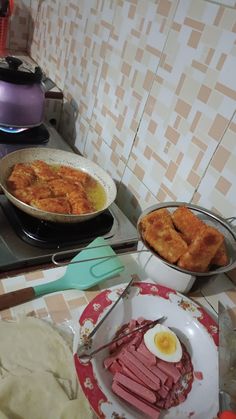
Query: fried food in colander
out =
(202, 250)
(157, 215)
(158, 231)
(183, 239)
(165, 241)
(189, 225)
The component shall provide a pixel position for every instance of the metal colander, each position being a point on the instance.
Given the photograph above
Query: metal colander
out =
(208, 217)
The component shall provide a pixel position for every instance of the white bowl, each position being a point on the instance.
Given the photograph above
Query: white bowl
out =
(163, 274)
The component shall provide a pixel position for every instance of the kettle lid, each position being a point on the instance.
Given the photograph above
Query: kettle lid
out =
(12, 71)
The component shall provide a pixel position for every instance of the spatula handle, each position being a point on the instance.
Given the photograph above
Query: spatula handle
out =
(14, 298)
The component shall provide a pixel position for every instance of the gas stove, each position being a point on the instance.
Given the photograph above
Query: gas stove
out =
(27, 241)
(24, 136)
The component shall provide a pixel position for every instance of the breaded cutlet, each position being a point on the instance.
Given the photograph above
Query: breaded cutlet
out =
(165, 240)
(58, 205)
(158, 215)
(202, 250)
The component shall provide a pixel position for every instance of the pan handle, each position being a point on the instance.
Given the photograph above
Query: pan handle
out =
(17, 297)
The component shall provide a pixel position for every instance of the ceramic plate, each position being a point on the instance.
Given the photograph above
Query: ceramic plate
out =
(193, 325)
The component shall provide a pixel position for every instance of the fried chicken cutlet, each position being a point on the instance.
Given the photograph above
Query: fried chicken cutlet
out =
(201, 251)
(61, 187)
(22, 175)
(190, 226)
(43, 171)
(33, 192)
(187, 223)
(75, 175)
(165, 240)
(158, 215)
(59, 205)
(79, 203)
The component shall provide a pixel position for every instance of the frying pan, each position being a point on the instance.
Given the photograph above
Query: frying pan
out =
(56, 157)
(208, 217)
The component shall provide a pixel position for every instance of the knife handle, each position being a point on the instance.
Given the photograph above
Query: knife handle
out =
(14, 298)
(227, 415)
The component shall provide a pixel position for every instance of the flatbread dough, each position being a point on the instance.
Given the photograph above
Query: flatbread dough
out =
(37, 373)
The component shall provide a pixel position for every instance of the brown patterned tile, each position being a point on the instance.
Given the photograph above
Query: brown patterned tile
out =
(182, 108)
(199, 143)
(195, 24)
(196, 120)
(199, 66)
(91, 294)
(227, 91)
(147, 84)
(171, 171)
(220, 159)
(139, 172)
(218, 127)
(6, 315)
(147, 152)
(57, 307)
(41, 313)
(76, 302)
(204, 93)
(223, 185)
(172, 135)
(209, 56)
(152, 126)
(32, 276)
(193, 179)
(198, 160)
(194, 39)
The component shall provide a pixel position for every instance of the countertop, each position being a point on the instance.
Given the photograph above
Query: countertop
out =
(64, 308)
(206, 291)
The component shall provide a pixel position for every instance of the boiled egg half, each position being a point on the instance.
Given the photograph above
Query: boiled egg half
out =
(163, 343)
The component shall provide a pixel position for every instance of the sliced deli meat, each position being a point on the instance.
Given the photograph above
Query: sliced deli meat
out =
(143, 380)
(149, 410)
(135, 387)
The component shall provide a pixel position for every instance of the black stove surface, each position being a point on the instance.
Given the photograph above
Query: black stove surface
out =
(49, 235)
(31, 136)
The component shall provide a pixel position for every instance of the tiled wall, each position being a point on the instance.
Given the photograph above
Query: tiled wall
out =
(150, 93)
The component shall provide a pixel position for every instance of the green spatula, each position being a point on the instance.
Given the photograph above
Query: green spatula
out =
(80, 276)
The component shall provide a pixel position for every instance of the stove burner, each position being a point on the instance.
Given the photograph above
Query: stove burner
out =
(29, 136)
(12, 130)
(51, 235)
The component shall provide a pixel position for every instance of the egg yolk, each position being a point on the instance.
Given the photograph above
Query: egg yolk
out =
(165, 342)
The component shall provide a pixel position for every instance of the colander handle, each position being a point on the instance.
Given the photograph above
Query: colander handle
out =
(230, 219)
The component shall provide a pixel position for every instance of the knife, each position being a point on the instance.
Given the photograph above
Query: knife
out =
(227, 364)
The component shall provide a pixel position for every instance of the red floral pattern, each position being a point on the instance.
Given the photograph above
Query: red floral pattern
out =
(92, 312)
(90, 386)
(95, 308)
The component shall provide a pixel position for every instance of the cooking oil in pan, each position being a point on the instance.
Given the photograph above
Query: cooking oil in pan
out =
(97, 195)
